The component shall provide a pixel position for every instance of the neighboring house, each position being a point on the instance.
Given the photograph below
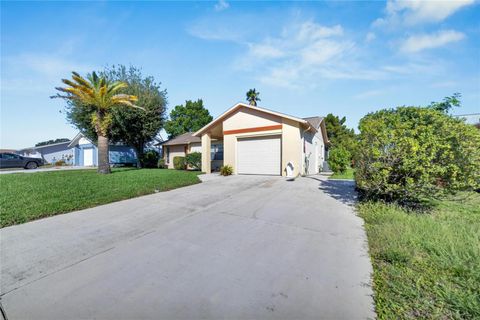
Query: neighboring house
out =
(186, 143)
(260, 141)
(80, 152)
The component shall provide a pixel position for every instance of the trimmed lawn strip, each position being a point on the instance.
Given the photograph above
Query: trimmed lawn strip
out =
(426, 265)
(347, 175)
(25, 197)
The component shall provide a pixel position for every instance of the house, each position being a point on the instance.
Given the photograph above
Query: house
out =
(256, 140)
(186, 143)
(261, 141)
(80, 152)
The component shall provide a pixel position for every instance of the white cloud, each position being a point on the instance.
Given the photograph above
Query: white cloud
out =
(300, 53)
(400, 12)
(265, 50)
(421, 42)
(221, 5)
(370, 37)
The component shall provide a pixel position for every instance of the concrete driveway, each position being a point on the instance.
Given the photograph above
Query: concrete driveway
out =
(242, 247)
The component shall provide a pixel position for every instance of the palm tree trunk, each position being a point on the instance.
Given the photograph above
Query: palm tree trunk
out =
(103, 159)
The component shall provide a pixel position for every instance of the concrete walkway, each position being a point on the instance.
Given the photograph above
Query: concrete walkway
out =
(241, 247)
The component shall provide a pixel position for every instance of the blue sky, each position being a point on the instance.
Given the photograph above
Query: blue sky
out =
(306, 58)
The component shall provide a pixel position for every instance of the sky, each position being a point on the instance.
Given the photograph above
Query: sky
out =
(305, 58)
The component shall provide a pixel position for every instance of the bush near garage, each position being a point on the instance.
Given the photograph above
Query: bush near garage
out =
(226, 170)
(410, 154)
(339, 159)
(179, 163)
(194, 160)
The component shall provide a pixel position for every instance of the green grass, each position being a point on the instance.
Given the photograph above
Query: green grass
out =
(29, 196)
(347, 175)
(426, 265)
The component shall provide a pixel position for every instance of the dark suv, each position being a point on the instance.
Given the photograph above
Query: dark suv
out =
(11, 160)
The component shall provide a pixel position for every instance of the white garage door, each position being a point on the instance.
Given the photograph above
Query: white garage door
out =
(88, 157)
(260, 155)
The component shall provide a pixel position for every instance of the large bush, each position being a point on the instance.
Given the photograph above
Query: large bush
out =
(339, 159)
(194, 160)
(149, 159)
(410, 153)
(179, 163)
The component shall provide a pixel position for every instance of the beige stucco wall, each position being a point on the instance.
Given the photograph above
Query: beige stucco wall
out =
(195, 147)
(249, 118)
(292, 148)
(175, 151)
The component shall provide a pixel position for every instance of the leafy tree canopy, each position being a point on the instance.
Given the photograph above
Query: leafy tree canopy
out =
(339, 134)
(51, 141)
(187, 118)
(447, 104)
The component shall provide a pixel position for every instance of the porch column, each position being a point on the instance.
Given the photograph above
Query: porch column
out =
(206, 158)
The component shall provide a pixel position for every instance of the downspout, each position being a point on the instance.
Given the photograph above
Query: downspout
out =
(303, 149)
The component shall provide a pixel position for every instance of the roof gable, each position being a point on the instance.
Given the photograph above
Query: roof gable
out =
(243, 105)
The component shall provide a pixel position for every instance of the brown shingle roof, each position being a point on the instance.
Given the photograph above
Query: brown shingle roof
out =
(185, 138)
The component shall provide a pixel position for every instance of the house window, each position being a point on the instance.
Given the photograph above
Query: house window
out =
(168, 155)
(217, 152)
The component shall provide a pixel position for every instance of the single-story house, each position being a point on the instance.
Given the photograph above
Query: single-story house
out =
(80, 151)
(256, 140)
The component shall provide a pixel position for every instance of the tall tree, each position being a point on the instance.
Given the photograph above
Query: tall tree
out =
(187, 118)
(253, 97)
(339, 134)
(98, 96)
(131, 126)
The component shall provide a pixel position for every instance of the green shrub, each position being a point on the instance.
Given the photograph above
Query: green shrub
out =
(179, 163)
(410, 154)
(150, 159)
(194, 160)
(339, 159)
(226, 170)
(161, 164)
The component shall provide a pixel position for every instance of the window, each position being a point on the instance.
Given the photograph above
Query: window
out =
(168, 155)
(217, 152)
(9, 156)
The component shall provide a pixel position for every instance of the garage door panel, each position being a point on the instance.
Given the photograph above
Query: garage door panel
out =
(260, 155)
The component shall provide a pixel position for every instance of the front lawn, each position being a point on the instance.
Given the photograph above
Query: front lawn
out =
(347, 175)
(426, 265)
(29, 196)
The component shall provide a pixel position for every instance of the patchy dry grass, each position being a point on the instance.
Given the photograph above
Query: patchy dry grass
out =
(426, 265)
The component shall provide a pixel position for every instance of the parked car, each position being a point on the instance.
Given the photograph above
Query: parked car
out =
(12, 160)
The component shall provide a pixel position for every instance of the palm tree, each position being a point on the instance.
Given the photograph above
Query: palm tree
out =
(102, 95)
(252, 97)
